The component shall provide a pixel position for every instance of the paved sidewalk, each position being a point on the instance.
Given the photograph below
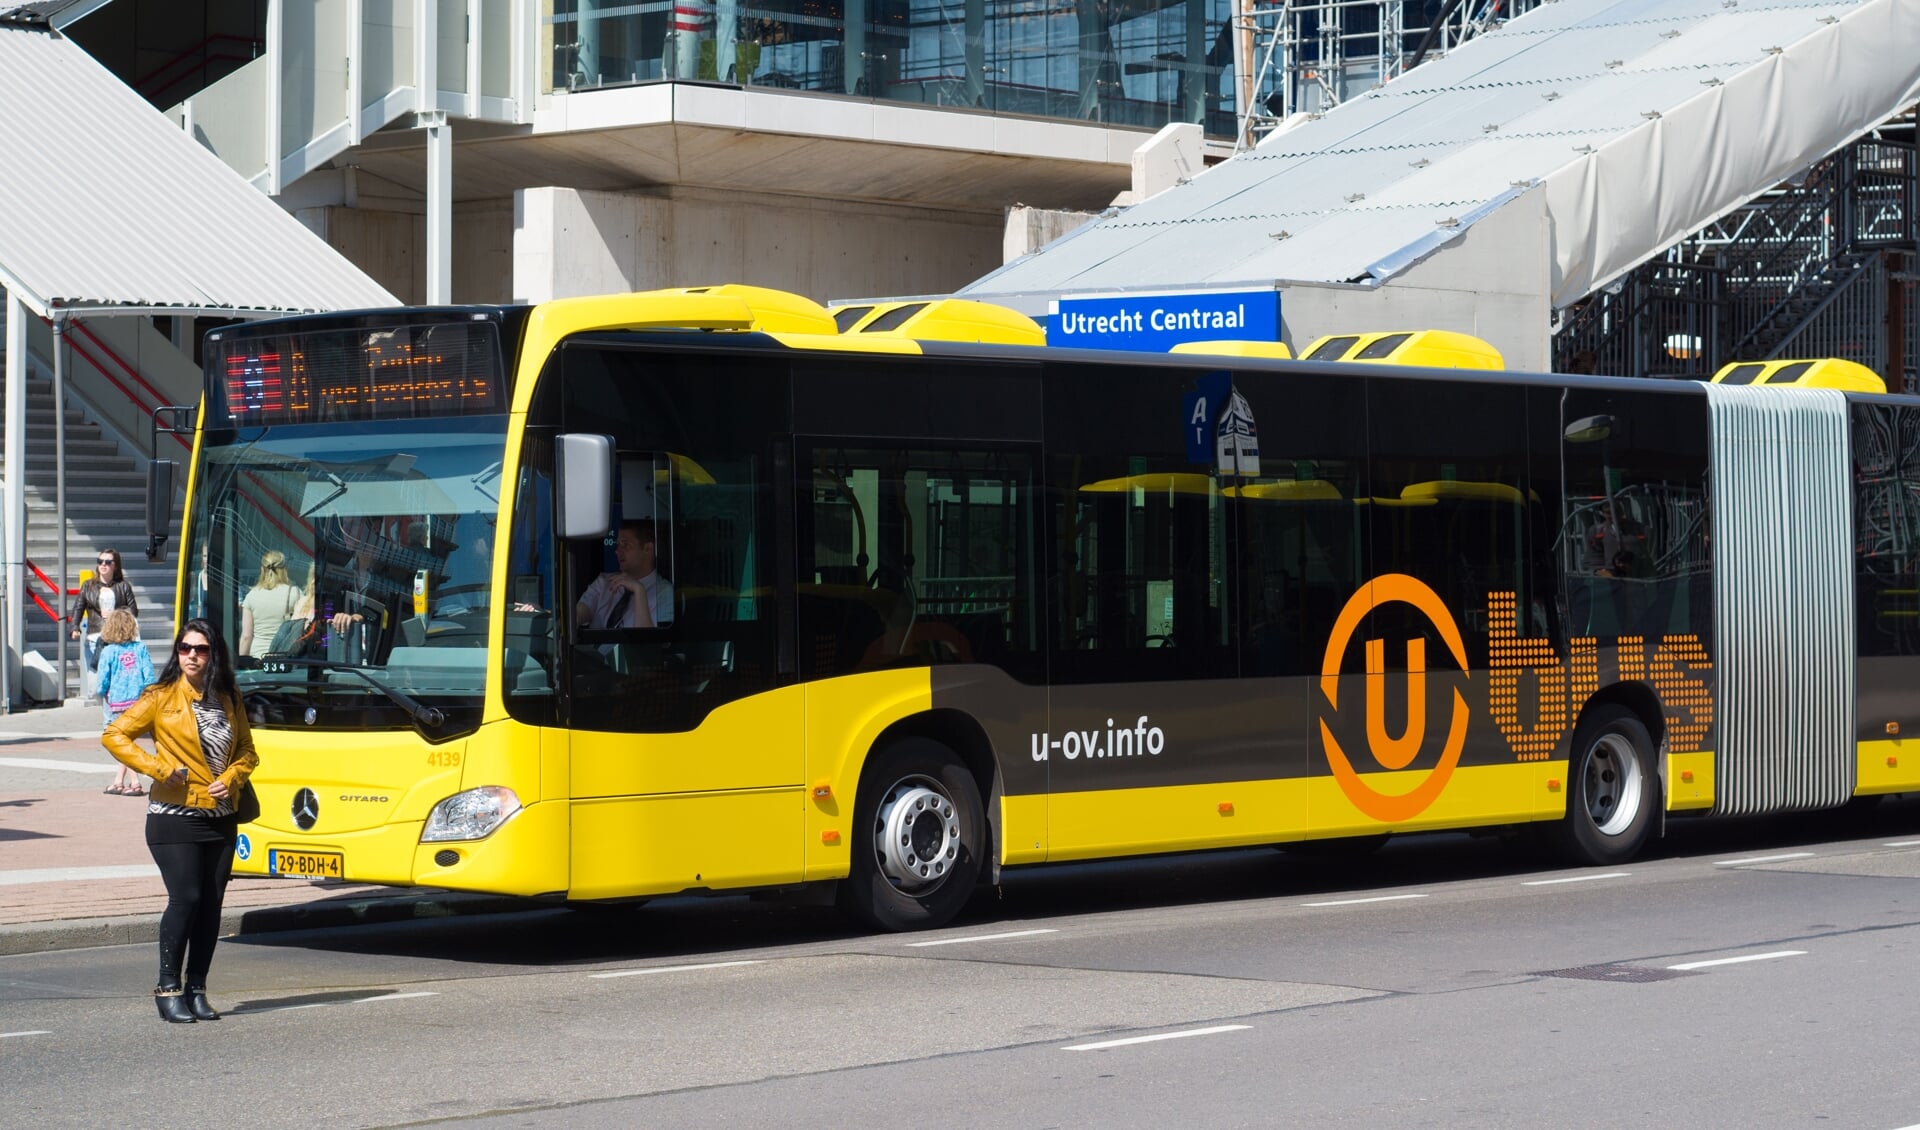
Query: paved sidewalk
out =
(74, 868)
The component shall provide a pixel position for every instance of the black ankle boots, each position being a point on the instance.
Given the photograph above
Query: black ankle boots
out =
(197, 1003)
(172, 1002)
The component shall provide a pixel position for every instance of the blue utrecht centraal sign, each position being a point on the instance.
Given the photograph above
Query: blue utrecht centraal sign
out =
(1154, 323)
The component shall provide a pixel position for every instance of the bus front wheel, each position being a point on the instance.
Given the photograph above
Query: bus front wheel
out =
(1611, 788)
(919, 831)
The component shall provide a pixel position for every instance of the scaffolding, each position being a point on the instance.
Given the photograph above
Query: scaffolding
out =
(1308, 56)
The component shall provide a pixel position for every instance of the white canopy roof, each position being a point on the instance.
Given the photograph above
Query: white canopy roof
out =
(106, 206)
(1645, 119)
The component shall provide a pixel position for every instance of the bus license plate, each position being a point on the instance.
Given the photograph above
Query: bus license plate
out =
(307, 864)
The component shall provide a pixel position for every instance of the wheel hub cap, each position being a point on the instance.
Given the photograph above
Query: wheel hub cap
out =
(1614, 785)
(917, 837)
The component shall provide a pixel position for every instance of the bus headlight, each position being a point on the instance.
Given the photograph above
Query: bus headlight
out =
(471, 815)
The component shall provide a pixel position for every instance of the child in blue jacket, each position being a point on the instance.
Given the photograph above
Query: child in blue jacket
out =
(122, 671)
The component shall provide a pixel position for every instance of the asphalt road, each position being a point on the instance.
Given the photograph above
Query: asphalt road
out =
(1751, 974)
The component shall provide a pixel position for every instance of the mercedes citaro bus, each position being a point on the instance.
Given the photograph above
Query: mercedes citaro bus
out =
(926, 610)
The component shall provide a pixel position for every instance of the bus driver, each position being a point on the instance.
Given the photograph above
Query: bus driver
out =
(609, 601)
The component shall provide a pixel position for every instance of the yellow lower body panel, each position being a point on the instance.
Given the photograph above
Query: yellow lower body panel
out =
(1023, 830)
(1474, 796)
(1092, 825)
(1886, 767)
(656, 845)
(1689, 781)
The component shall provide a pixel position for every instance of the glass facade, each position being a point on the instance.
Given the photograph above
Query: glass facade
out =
(1111, 61)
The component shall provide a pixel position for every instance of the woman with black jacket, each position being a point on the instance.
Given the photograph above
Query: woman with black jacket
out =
(105, 591)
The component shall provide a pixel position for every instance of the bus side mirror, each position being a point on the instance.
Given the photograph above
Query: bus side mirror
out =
(584, 478)
(159, 505)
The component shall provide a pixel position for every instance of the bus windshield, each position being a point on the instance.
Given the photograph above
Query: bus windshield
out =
(338, 560)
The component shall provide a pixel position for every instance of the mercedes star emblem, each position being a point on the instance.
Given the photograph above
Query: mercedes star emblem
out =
(306, 809)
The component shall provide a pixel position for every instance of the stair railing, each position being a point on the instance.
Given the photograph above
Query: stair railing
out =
(1835, 276)
(1798, 221)
(58, 598)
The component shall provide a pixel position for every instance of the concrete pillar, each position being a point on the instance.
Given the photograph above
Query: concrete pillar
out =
(14, 553)
(439, 207)
(60, 484)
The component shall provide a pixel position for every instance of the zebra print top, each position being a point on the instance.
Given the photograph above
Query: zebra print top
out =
(216, 743)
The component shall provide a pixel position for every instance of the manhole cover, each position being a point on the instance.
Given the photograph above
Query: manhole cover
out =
(1633, 973)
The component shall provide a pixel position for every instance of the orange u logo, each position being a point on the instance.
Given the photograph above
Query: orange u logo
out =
(1393, 753)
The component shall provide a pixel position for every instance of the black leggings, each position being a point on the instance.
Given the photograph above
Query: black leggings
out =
(196, 876)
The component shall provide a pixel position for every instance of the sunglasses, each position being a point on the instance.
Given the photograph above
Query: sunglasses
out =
(104, 561)
(196, 649)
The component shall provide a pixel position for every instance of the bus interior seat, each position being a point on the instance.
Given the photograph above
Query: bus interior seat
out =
(847, 622)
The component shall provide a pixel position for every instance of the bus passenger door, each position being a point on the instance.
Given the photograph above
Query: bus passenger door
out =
(1420, 739)
(1154, 741)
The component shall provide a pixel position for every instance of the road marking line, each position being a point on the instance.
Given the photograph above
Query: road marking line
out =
(670, 969)
(982, 938)
(35, 1032)
(1904, 843)
(391, 997)
(1739, 960)
(50, 763)
(1155, 1039)
(1763, 859)
(1357, 902)
(1577, 879)
(71, 874)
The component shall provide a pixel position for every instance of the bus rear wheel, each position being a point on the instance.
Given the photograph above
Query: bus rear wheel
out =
(1611, 789)
(919, 833)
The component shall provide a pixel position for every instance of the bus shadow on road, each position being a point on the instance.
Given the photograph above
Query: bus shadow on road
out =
(693, 927)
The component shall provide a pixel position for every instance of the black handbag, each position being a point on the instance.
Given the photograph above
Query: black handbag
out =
(247, 806)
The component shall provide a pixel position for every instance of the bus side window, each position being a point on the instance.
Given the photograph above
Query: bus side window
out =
(916, 557)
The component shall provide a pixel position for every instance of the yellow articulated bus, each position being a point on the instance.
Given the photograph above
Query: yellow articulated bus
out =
(648, 594)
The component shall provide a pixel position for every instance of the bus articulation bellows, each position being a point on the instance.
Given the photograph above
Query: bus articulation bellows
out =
(925, 610)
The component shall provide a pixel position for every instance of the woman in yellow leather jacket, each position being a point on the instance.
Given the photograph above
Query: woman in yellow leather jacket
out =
(204, 756)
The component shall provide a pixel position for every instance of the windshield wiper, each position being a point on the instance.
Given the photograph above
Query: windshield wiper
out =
(339, 488)
(428, 716)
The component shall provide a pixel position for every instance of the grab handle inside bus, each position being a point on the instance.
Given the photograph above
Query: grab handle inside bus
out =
(584, 479)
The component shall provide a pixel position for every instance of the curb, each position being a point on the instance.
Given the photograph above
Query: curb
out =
(80, 933)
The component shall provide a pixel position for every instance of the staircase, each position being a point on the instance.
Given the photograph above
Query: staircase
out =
(1813, 268)
(1803, 302)
(106, 503)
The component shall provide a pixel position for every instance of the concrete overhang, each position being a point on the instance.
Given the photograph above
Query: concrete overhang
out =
(669, 135)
